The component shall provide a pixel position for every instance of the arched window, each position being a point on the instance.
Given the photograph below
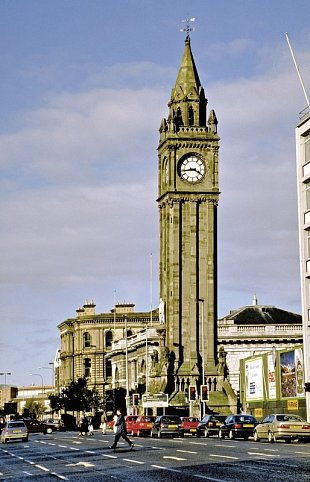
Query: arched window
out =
(179, 117)
(86, 339)
(108, 339)
(129, 333)
(87, 367)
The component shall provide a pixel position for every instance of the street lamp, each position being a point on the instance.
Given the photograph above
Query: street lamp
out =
(202, 301)
(38, 375)
(5, 374)
(49, 368)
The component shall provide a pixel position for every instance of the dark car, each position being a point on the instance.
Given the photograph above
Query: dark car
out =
(238, 426)
(210, 425)
(167, 425)
(35, 426)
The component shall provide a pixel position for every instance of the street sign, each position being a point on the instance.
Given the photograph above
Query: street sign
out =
(157, 400)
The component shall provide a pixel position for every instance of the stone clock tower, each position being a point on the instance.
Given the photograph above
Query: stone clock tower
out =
(188, 198)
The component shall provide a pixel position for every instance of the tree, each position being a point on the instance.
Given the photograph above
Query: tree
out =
(35, 407)
(76, 397)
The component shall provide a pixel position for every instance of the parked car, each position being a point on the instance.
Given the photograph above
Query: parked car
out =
(238, 426)
(130, 419)
(189, 424)
(167, 425)
(282, 426)
(14, 430)
(210, 425)
(36, 426)
(143, 425)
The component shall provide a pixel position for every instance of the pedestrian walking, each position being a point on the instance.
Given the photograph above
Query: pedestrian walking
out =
(120, 426)
(103, 424)
(90, 427)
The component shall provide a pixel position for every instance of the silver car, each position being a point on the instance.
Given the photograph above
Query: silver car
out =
(14, 430)
(282, 426)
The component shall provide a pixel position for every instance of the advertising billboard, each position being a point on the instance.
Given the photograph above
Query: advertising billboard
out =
(291, 368)
(254, 379)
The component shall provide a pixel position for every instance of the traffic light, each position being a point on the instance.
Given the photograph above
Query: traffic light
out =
(192, 393)
(204, 394)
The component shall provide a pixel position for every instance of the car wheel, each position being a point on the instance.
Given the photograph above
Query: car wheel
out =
(271, 438)
(182, 434)
(231, 435)
(159, 434)
(287, 440)
(49, 430)
(256, 437)
(221, 435)
(26, 439)
(5, 441)
(206, 433)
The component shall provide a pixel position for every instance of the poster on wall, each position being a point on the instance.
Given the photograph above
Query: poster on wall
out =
(254, 379)
(271, 377)
(291, 363)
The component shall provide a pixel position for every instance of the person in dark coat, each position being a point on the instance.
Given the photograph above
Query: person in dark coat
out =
(120, 430)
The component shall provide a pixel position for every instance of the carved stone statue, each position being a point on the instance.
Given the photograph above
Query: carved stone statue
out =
(161, 309)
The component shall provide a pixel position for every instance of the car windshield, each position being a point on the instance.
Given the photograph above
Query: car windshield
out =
(218, 418)
(16, 424)
(289, 418)
(172, 419)
(245, 418)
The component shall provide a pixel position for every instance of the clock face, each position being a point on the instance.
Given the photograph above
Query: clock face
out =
(192, 169)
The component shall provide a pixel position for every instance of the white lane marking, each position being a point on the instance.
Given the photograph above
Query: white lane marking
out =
(172, 458)
(25, 472)
(63, 446)
(208, 478)
(41, 467)
(110, 456)
(186, 451)
(134, 461)
(90, 452)
(74, 448)
(85, 464)
(224, 456)
(62, 477)
(263, 454)
(225, 445)
(166, 468)
(303, 453)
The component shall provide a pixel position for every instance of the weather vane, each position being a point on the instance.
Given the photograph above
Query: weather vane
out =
(189, 26)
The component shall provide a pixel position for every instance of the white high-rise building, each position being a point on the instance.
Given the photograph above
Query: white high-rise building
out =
(303, 188)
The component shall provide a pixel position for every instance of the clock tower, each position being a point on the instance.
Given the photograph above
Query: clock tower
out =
(188, 194)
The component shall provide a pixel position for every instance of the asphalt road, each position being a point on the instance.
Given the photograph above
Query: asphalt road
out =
(66, 456)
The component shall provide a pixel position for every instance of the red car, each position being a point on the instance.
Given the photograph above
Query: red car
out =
(130, 419)
(189, 424)
(143, 425)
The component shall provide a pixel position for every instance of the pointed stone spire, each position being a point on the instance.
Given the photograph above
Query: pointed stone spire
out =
(188, 102)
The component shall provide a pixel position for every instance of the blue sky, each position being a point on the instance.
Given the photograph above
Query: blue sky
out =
(83, 88)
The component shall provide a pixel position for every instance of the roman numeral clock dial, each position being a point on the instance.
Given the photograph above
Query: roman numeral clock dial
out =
(192, 169)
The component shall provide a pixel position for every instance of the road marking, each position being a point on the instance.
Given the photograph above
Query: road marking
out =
(224, 456)
(225, 445)
(63, 446)
(263, 454)
(303, 453)
(110, 456)
(41, 467)
(90, 452)
(62, 477)
(74, 448)
(85, 464)
(186, 451)
(208, 478)
(172, 458)
(134, 461)
(166, 468)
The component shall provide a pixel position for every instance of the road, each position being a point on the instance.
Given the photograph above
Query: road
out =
(66, 456)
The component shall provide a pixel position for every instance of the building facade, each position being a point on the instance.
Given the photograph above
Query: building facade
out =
(303, 188)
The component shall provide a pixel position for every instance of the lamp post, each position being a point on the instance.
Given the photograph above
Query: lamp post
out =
(38, 375)
(49, 368)
(127, 373)
(5, 374)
